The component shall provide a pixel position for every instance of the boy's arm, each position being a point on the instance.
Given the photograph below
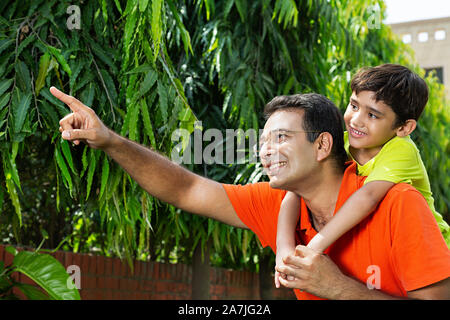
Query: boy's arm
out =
(357, 207)
(287, 220)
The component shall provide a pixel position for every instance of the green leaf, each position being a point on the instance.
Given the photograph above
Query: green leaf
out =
(4, 85)
(20, 112)
(11, 250)
(31, 292)
(65, 172)
(156, 26)
(241, 6)
(147, 84)
(84, 160)
(143, 5)
(62, 61)
(105, 175)
(147, 123)
(67, 154)
(47, 272)
(5, 43)
(44, 64)
(91, 170)
(4, 100)
(23, 79)
(133, 122)
(185, 37)
(163, 101)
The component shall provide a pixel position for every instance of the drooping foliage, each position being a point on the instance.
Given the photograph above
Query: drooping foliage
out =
(150, 67)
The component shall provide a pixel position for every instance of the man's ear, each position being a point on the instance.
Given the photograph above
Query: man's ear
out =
(406, 128)
(324, 144)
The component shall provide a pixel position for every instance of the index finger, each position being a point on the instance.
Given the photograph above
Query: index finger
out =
(74, 104)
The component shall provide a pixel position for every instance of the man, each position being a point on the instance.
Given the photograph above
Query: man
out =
(302, 151)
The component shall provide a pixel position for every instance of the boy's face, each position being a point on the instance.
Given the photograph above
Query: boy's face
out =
(369, 123)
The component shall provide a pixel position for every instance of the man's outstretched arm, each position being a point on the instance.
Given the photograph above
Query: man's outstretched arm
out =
(155, 173)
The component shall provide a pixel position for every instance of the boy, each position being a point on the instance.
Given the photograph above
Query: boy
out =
(385, 105)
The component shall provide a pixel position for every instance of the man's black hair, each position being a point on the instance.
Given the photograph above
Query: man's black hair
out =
(320, 115)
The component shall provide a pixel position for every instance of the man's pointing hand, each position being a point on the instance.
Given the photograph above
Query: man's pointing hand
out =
(82, 124)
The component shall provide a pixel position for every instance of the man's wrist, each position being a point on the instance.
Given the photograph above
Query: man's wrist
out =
(112, 143)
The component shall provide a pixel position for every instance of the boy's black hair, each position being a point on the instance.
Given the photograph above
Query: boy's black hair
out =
(320, 115)
(395, 85)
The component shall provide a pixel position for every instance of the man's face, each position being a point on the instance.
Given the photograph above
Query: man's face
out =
(368, 122)
(286, 154)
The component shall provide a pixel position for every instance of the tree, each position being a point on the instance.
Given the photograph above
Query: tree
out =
(149, 68)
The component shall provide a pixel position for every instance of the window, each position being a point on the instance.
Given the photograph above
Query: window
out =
(439, 72)
(423, 36)
(439, 35)
(407, 38)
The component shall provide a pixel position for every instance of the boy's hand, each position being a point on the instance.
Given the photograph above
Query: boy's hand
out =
(282, 252)
(82, 124)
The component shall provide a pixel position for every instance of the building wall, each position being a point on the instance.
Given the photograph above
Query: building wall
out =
(104, 278)
(432, 53)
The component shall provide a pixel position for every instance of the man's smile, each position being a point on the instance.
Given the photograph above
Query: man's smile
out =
(273, 167)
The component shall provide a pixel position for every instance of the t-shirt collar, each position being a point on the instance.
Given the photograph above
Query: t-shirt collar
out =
(349, 185)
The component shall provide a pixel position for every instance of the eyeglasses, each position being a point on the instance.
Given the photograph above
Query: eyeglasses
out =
(276, 137)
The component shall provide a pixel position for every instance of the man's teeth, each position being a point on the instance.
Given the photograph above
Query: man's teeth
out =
(277, 165)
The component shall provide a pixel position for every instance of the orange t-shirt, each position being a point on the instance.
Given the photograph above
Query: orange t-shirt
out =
(398, 247)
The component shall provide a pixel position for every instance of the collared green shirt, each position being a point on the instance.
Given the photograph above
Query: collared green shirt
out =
(399, 161)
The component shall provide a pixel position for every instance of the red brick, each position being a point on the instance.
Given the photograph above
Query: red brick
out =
(24, 279)
(155, 271)
(100, 265)
(147, 285)
(117, 265)
(68, 258)
(2, 252)
(8, 259)
(123, 284)
(86, 294)
(108, 267)
(132, 285)
(123, 269)
(59, 255)
(110, 283)
(88, 282)
(84, 263)
(76, 260)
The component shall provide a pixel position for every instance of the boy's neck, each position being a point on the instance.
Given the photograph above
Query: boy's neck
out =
(362, 156)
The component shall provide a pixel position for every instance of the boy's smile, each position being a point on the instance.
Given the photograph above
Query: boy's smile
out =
(369, 124)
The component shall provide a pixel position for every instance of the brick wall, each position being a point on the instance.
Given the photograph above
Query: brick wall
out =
(105, 278)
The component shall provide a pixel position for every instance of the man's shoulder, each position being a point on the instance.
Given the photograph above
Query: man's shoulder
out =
(403, 195)
(253, 191)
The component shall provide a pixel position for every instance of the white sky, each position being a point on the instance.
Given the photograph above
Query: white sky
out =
(409, 10)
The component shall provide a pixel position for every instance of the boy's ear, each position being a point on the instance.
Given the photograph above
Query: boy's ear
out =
(324, 145)
(406, 128)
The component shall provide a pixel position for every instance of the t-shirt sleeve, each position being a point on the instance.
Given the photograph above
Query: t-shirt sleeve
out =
(257, 205)
(420, 255)
(397, 162)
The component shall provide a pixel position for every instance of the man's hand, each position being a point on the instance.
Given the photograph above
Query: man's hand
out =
(82, 124)
(312, 272)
